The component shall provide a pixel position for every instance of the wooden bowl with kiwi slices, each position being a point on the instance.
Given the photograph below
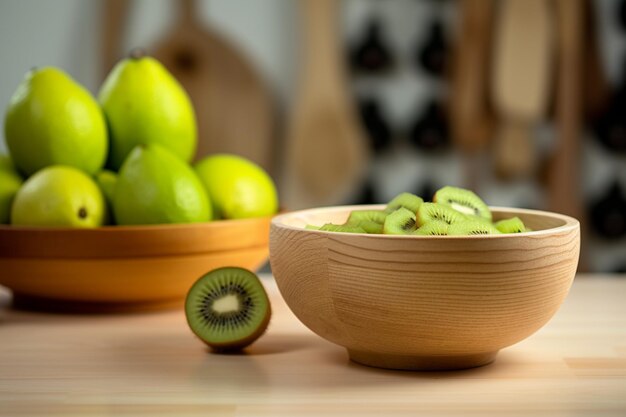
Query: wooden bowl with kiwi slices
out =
(423, 301)
(123, 268)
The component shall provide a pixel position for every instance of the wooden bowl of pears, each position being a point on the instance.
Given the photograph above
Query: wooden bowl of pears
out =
(136, 235)
(435, 286)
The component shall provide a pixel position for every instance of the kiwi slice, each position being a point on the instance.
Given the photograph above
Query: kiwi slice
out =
(464, 201)
(400, 222)
(512, 225)
(433, 228)
(228, 308)
(343, 228)
(407, 200)
(358, 216)
(312, 227)
(434, 211)
(472, 227)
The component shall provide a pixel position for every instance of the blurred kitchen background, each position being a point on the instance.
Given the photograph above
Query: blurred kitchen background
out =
(522, 100)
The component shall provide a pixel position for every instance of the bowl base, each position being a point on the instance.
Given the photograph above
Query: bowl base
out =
(34, 303)
(421, 363)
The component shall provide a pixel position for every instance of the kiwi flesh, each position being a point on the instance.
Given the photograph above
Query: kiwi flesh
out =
(312, 227)
(342, 228)
(407, 200)
(228, 308)
(371, 227)
(472, 227)
(434, 211)
(433, 228)
(462, 200)
(512, 225)
(400, 222)
(358, 216)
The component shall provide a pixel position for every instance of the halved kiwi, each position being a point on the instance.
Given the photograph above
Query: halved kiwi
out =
(472, 227)
(228, 308)
(400, 222)
(433, 228)
(462, 200)
(512, 225)
(433, 211)
(407, 200)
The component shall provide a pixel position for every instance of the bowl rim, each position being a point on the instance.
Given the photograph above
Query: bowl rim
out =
(570, 223)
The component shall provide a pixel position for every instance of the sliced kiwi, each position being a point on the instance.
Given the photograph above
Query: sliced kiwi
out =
(371, 227)
(400, 222)
(464, 201)
(312, 227)
(433, 211)
(343, 228)
(358, 216)
(472, 227)
(433, 228)
(512, 225)
(407, 200)
(228, 308)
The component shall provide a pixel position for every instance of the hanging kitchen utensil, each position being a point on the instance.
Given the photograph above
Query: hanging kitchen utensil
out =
(608, 213)
(564, 170)
(432, 54)
(233, 106)
(375, 123)
(471, 119)
(328, 155)
(371, 54)
(430, 131)
(521, 75)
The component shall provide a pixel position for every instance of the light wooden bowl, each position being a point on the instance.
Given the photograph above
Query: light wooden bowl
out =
(423, 302)
(122, 268)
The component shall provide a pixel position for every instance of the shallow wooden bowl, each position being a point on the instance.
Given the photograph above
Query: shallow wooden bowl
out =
(123, 268)
(423, 302)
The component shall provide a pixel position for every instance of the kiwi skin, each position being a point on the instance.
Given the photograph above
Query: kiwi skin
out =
(236, 345)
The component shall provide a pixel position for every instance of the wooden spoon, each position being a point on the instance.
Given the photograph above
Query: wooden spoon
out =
(523, 47)
(327, 155)
(233, 106)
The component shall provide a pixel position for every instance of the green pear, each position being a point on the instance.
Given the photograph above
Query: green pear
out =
(59, 196)
(239, 188)
(53, 120)
(154, 186)
(10, 183)
(144, 104)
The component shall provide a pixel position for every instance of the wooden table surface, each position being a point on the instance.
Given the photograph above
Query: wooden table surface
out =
(151, 365)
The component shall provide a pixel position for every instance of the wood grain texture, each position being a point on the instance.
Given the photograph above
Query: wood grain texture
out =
(411, 302)
(124, 268)
(151, 364)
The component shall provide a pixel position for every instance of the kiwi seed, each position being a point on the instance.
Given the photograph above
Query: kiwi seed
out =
(434, 211)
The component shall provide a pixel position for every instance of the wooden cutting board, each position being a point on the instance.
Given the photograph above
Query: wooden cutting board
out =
(233, 106)
(327, 151)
